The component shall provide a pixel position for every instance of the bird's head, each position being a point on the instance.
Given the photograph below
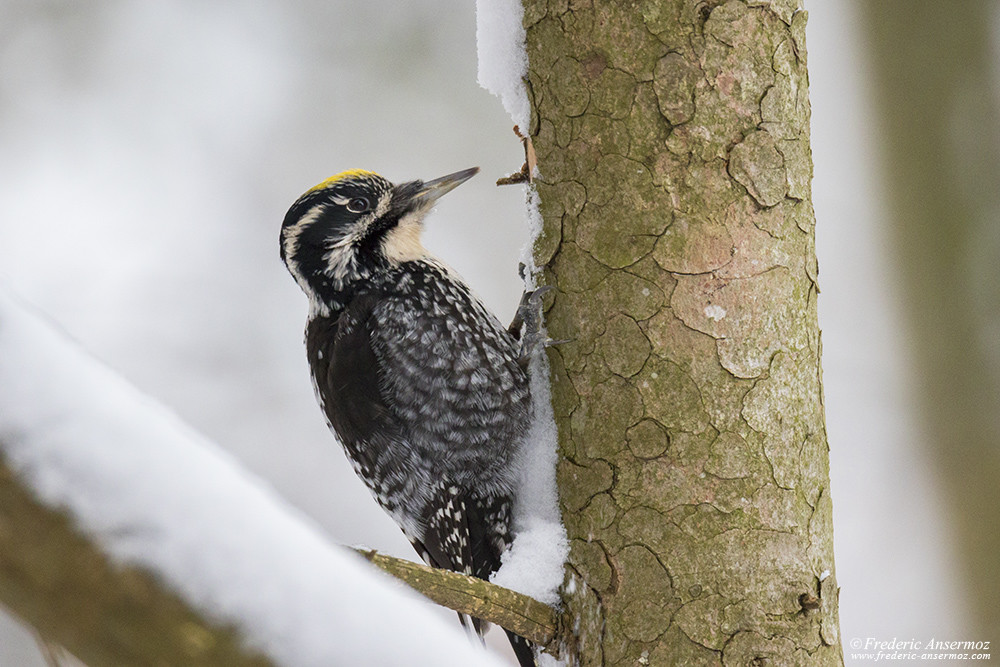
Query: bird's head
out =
(355, 224)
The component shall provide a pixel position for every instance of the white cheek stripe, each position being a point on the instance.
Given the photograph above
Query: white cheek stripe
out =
(292, 235)
(401, 244)
(291, 246)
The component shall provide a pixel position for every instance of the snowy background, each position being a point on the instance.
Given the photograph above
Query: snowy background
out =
(148, 152)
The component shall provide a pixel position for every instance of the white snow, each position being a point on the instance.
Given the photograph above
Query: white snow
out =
(546, 660)
(155, 494)
(503, 62)
(535, 227)
(534, 563)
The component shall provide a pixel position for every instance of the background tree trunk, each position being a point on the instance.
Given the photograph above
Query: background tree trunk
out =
(935, 86)
(673, 143)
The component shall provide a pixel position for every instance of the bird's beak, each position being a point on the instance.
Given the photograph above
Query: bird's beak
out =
(431, 191)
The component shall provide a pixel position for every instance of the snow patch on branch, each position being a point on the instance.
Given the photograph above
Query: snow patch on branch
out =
(503, 61)
(156, 494)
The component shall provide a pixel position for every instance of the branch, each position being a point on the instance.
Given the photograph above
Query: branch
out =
(61, 584)
(533, 620)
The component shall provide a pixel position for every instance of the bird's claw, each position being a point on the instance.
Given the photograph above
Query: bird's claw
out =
(527, 324)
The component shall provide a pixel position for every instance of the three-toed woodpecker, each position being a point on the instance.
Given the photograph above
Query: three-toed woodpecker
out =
(422, 385)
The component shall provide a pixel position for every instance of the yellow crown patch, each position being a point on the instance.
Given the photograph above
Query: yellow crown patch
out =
(350, 174)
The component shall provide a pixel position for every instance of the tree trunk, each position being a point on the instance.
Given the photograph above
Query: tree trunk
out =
(673, 146)
(934, 82)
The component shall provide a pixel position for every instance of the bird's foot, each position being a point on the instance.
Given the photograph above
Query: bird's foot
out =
(527, 324)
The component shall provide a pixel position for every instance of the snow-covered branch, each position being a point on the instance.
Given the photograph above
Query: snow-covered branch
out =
(61, 583)
(148, 494)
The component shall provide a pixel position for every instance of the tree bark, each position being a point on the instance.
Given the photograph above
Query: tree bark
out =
(935, 86)
(672, 139)
(67, 589)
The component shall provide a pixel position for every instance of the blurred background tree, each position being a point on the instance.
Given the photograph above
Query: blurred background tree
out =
(935, 87)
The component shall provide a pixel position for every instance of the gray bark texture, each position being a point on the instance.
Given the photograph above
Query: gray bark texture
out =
(672, 139)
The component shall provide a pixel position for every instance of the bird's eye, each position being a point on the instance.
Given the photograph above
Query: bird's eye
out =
(358, 205)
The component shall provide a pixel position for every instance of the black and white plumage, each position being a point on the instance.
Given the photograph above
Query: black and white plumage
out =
(422, 385)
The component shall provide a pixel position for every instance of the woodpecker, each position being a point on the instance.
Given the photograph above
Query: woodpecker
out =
(422, 385)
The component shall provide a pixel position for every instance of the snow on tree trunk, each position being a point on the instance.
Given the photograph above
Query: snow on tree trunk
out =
(673, 147)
